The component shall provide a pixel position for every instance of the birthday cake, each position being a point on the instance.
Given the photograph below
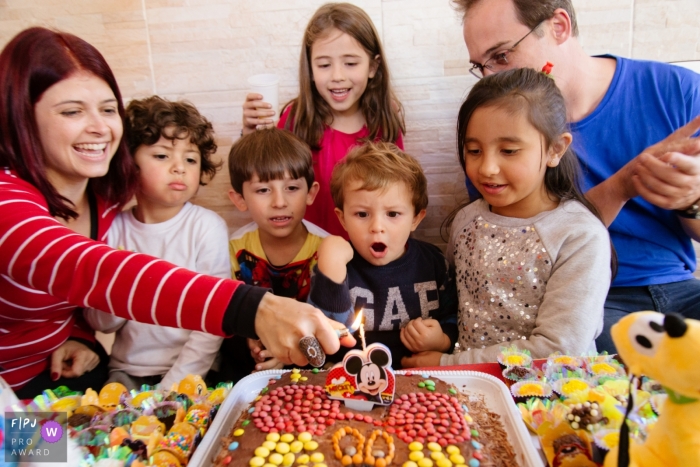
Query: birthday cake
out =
(305, 418)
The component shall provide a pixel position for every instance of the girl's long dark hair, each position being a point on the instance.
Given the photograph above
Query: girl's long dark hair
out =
(538, 97)
(379, 105)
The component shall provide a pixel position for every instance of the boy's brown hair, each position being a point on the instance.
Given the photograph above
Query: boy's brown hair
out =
(150, 118)
(377, 165)
(269, 153)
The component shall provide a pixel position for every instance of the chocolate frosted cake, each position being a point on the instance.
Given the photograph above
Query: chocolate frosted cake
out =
(429, 423)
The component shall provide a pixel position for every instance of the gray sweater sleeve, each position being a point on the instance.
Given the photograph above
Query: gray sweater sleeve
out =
(570, 316)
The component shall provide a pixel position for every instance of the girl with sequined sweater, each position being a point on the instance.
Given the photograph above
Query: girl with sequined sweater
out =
(532, 257)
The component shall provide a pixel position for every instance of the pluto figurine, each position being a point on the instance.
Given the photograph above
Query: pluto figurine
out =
(663, 347)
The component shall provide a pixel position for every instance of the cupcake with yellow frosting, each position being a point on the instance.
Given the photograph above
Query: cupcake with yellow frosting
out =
(566, 387)
(523, 390)
(512, 356)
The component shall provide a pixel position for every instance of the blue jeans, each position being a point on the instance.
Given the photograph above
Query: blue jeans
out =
(675, 297)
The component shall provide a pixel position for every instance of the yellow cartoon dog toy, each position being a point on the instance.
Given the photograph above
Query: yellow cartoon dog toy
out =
(665, 348)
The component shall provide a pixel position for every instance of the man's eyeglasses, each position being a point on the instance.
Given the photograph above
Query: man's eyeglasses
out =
(499, 60)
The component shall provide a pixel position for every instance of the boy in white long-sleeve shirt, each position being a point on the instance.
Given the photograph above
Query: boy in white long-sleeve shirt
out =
(172, 144)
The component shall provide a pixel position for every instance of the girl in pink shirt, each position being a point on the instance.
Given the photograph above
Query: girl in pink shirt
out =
(345, 98)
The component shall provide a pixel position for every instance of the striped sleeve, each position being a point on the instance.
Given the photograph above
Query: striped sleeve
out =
(41, 254)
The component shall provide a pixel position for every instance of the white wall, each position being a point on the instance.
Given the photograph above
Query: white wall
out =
(203, 50)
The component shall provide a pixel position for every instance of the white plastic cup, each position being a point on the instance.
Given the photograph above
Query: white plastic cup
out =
(267, 85)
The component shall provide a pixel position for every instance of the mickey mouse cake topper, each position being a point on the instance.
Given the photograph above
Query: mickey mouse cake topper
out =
(363, 378)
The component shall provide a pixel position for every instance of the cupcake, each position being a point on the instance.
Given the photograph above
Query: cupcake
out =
(604, 440)
(657, 402)
(565, 387)
(513, 374)
(556, 371)
(652, 386)
(512, 356)
(586, 416)
(606, 369)
(523, 390)
(567, 360)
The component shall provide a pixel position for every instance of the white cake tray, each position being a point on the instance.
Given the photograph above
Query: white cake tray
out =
(496, 396)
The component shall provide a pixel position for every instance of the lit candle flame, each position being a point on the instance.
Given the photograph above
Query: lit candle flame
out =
(357, 323)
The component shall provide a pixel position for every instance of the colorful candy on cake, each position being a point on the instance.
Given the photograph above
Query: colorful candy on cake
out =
(361, 413)
(151, 427)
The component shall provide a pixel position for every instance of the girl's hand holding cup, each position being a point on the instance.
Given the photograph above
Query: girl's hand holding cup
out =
(260, 109)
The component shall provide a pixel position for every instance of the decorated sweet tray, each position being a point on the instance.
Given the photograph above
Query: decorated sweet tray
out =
(496, 397)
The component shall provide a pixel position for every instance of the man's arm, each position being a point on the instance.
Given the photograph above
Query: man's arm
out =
(666, 174)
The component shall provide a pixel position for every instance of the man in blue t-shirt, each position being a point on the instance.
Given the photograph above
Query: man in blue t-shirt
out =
(645, 183)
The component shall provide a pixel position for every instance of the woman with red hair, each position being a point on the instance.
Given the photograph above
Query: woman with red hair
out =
(64, 173)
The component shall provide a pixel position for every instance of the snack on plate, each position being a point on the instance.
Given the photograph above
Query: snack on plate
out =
(523, 390)
(294, 422)
(587, 416)
(568, 360)
(513, 374)
(512, 356)
(566, 387)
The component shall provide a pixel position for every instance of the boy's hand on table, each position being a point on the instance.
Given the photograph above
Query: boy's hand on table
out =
(334, 253)
(422, 359)
(421, 335)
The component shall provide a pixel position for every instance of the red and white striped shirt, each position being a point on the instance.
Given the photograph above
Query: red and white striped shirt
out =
(47, 272)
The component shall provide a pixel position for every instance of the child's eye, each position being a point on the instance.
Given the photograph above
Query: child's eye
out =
(192, 160)
(361, 214)
(292, 188)
(510, 152)
(160, 156)
(473, 151)
(351, 63)
(322, 65)
(393, 214)
(262, 191)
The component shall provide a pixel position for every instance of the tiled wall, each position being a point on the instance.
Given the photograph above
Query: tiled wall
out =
(203, 51)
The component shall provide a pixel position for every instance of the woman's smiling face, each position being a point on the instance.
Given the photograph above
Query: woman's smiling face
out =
(79, 128)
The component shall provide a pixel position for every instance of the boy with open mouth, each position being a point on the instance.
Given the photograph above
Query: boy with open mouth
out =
(403, 285)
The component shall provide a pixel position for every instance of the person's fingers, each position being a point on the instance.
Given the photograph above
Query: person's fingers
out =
(253, 96)
(270, 364)
(57, 363)
(80, 362)
(689, 129)
(689, 146)
(329, 333)
(415, 330)
(430, 323)
(686, 164)
(406, 340)
(671, 183)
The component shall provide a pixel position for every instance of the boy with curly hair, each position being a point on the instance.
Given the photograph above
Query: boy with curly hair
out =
(172, 145)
